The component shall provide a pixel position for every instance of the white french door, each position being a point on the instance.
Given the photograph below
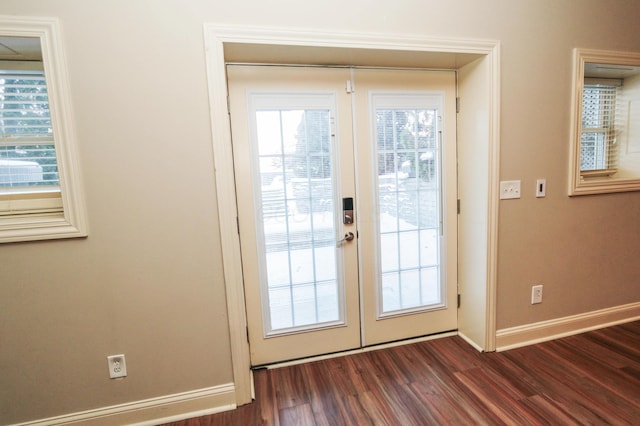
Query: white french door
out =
(313, 145)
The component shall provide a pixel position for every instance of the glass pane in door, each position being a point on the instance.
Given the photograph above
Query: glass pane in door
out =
(297, 220)
(408, 193)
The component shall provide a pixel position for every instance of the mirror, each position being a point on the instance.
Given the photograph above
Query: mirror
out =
(605, 140)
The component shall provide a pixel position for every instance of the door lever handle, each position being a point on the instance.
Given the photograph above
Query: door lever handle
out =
(347, 237)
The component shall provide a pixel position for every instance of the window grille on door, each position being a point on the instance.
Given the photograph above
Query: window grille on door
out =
(296, 217)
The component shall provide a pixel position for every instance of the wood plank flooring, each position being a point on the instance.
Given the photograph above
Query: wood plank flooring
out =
(587, 379)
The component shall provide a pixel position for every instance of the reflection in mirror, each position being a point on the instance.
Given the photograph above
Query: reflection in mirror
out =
(606, 117)
(27, 152)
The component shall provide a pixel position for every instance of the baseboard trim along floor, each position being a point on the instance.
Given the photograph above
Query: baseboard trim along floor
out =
(515, 337)
(164, 409)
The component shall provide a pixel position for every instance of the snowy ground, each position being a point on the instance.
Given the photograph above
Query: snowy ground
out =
(303, 280)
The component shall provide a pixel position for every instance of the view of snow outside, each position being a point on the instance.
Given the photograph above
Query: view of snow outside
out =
(300, 235)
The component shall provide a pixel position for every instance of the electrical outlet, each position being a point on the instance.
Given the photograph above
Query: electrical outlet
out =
(117, 366)
(536, 294)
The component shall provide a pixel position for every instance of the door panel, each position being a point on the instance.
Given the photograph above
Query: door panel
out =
(296, 156)
(406, 174)
(289, 140)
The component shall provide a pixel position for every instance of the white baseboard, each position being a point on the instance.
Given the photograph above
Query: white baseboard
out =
(148, 412)
(515, 337)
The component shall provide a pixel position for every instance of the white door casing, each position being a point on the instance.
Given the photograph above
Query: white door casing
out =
(483, 75)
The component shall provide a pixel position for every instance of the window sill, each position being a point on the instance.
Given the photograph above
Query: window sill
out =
(603, 184)
(32, 227)
(587, 174)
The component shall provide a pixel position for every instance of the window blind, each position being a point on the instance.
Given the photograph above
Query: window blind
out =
(29, 179)
(598, 148)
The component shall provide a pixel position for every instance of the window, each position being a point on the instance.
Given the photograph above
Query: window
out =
(28, 164)
(598, 141)
(39, 187)
(606, 141)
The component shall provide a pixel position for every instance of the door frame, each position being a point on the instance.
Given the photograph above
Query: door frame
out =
(477, 324)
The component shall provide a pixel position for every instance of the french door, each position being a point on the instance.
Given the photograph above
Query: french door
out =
(346, 191)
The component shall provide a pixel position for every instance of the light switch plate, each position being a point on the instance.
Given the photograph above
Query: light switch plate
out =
(541, 188)
(509, 189)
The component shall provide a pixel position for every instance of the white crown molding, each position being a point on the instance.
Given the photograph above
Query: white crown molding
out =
(357, 40)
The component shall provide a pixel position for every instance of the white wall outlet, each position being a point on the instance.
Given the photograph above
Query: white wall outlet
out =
(541, 188)
(536, 294)
(509, 189)
(117, 366)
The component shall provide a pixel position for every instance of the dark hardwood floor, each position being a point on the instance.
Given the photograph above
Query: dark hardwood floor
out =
(587, 379)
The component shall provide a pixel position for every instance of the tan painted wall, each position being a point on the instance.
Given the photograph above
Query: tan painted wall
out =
(148, 282)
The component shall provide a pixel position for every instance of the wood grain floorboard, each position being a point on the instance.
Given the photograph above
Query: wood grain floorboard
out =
(588, 379)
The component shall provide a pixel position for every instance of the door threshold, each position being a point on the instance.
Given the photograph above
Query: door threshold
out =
(356, 351)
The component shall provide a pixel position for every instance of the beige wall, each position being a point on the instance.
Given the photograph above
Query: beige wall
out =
(148, 280)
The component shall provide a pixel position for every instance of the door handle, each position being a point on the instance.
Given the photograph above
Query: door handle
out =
(347, 237)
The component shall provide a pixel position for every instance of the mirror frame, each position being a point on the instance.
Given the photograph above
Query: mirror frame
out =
(578, 185)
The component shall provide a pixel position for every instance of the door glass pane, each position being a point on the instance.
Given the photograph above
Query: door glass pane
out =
(408, 194)
(296, 218)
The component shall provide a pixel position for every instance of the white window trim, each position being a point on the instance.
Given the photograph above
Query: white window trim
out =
(71, 222)
(587, 183)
